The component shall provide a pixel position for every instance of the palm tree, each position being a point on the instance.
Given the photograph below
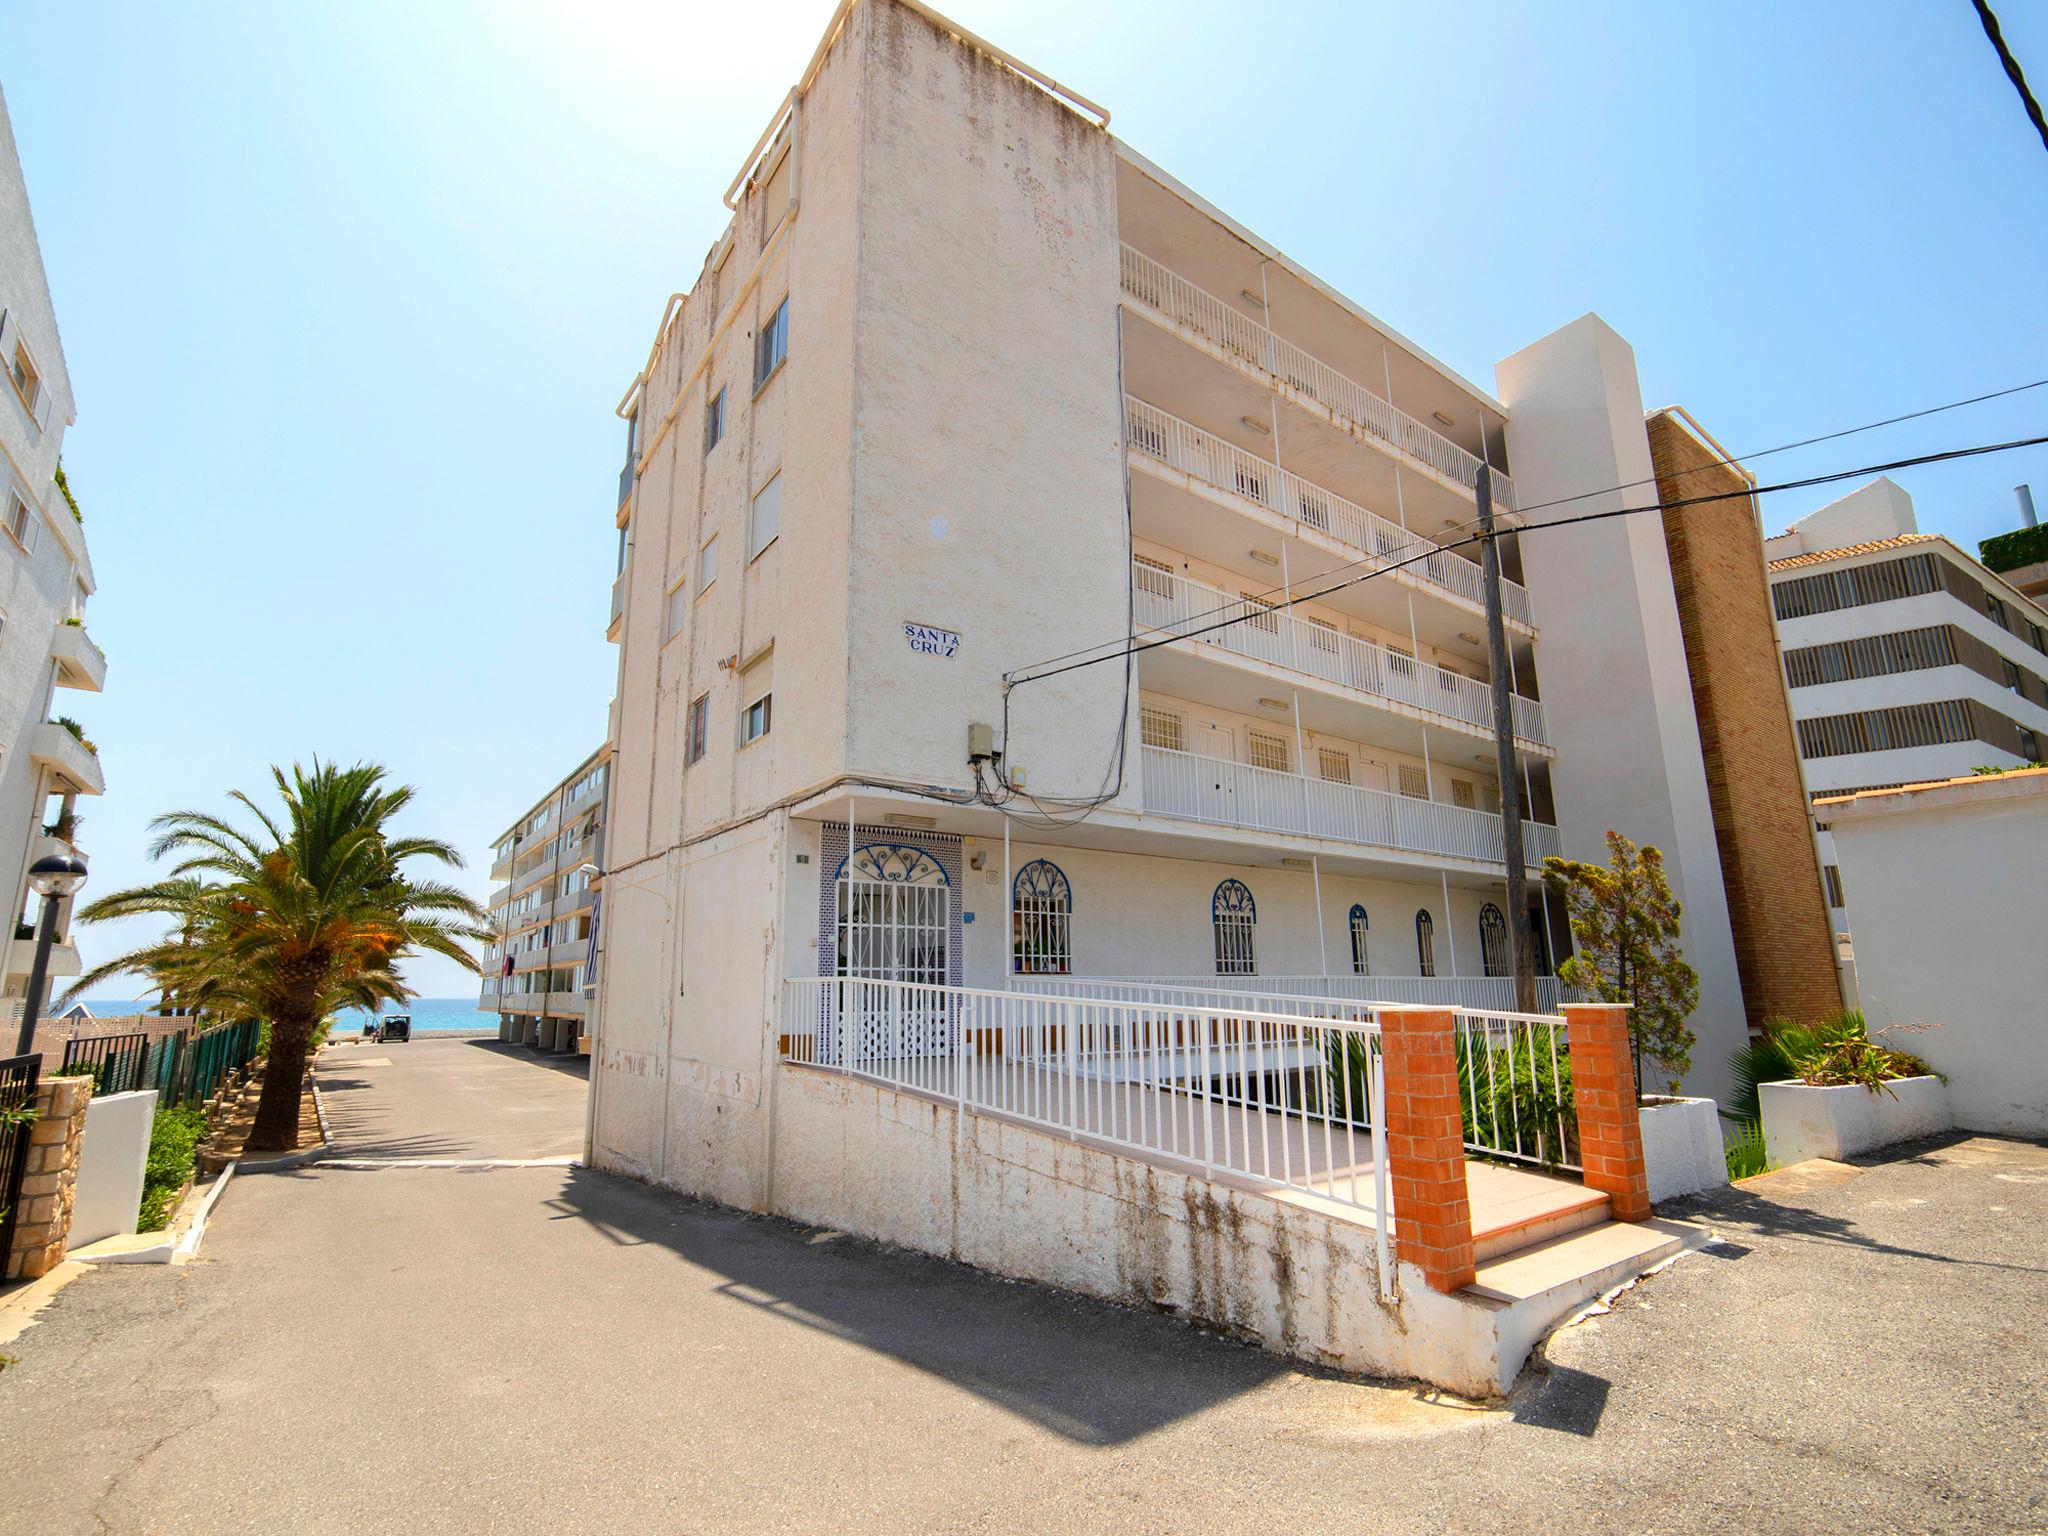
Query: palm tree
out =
(308, 913)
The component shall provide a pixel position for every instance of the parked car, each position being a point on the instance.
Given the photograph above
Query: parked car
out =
(396, 1026)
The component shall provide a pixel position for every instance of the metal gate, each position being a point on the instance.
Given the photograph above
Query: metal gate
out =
(18, 1078)
(894, 930)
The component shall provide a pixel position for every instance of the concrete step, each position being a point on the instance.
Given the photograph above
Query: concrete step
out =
(1579, 1265)
(1527, 1229)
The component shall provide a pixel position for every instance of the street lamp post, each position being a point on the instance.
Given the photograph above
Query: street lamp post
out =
(55, 876)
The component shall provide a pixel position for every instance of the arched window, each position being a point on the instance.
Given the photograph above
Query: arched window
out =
(1041, 914)
(1236, 917)
(1359, 924)
(1493, 940)
(1425, 943)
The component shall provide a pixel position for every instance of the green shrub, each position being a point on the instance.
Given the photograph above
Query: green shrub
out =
(2010, 551)
(174, 1138)
(1745, 1151)
(1832, 1053)
(1518, 1100)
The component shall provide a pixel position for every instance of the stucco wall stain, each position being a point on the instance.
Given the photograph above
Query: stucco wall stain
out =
(1283, 1284)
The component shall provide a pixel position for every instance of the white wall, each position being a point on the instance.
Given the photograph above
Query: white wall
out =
(1944, 891)
(1616, 689)
(111, 1161)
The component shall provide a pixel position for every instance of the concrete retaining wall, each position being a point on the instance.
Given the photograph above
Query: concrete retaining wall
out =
(110, 1166)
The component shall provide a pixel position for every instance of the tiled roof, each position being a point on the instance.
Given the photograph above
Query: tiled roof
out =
(1898, 542)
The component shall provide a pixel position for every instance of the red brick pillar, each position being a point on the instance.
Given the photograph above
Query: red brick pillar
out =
(1426, 1145)
(1610, 1126)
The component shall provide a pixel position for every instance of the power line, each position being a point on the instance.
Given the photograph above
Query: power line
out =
(2012, 70)
(1131, 646)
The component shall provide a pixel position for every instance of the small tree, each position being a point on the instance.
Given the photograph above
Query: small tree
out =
(1625, 925)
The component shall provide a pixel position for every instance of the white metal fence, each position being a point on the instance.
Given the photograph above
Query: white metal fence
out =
(1210, 459)
(1515, 1077)
(1251, 344)
(1289, 994)
(1231, 794)
(1167, 600)
(1280, 1098)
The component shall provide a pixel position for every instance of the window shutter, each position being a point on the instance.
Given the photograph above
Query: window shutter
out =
(43, 404)
(30, 530)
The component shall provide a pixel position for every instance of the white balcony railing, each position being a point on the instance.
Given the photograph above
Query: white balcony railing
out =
(1229, 794)
(1251, 345)
(1166, 600)
(1487, 994)
(1208, 458)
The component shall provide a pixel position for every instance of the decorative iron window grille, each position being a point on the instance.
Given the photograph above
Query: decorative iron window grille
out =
(1425, 944)
(1041, 921)
(1236, 919)
(1360, 927)
(1493, 940)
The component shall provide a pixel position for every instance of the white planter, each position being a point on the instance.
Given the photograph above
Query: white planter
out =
(110, 1166)
(1682, 1148)
(1802, 1122)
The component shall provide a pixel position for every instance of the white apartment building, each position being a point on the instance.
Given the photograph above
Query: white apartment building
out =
(537, 973)
(969, 386)
(46, 760)
(1906, 660)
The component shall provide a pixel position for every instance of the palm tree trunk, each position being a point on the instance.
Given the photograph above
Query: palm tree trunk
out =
(284, 1075)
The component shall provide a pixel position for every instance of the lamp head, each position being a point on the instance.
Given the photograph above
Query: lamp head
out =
(57, 874)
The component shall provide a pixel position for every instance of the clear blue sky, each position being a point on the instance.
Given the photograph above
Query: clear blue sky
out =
(348, 295)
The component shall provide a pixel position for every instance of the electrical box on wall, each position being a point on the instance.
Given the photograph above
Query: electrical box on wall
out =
(981, 743)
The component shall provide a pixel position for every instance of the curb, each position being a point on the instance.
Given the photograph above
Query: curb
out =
(304, 1154)
(171, 1246)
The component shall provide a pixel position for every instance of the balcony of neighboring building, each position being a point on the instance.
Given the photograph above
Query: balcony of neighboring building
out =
(1219, 494)
(74, 764)
(80, 663)
(1239, 651)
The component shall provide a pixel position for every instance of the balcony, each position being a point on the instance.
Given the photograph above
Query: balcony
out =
(1234, 337)
(80, 663)
(1228, 794)
(1223, 467)
(74, 765)
(1367, 672)
(565, 1005)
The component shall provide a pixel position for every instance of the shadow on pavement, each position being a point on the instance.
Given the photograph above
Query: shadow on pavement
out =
(1091, 1372)
(568, 1063)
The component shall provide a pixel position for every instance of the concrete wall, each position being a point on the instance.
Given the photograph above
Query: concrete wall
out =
(1616, 689)
(861, 1158)
(1944, 894)
(110, 1166)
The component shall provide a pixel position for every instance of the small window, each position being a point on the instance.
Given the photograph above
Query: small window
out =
(1461, 794)
(1041, 921)
(2012, 678)
(771, 347)
(1270, 752)
(1831, 877)
(1994, 609)
(1414, 782)
(1360, 927)
(765, 520)
(758, 716)
(1162, 728)
(2030, 743)
(1236, 920)
(676, 611)
(1334, 764)
(20, 521)
(699, 727)
(1425, 943)
(28, 380)
(707, 563)
(1493, 940)
(714, 421)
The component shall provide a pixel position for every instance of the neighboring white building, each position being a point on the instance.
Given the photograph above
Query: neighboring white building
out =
(537, 975)
(1906, 660)
(45, 579)
(968, 386)
(1944, 888)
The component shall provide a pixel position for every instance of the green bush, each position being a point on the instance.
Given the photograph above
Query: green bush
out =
(174, 1138)
(1518, 1099)
(1831, 1053)
(1745, 1151)
(2010, 551)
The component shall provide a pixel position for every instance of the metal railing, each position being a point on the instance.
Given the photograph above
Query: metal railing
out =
(1515, 1083)
(1298, 994)
(1260, 1094)
(18, 1078)
(1227, 467)
(1166, 600)
(1248, 343)
(1231, 794)
(116, 1063)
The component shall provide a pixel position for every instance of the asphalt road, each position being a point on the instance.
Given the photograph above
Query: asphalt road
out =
(452, 1098)
(555, 1350)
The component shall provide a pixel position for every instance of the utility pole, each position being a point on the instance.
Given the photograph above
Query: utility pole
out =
(1521, 939)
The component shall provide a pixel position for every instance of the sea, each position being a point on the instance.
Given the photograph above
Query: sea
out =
(430, 1015)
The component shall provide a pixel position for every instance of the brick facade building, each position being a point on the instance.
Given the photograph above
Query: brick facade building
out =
(1784, 947)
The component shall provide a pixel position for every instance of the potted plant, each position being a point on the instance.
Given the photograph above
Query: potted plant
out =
(1625, 926)
(1831, 1089)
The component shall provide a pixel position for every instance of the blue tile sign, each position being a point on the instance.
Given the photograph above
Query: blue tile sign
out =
(929, 641)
